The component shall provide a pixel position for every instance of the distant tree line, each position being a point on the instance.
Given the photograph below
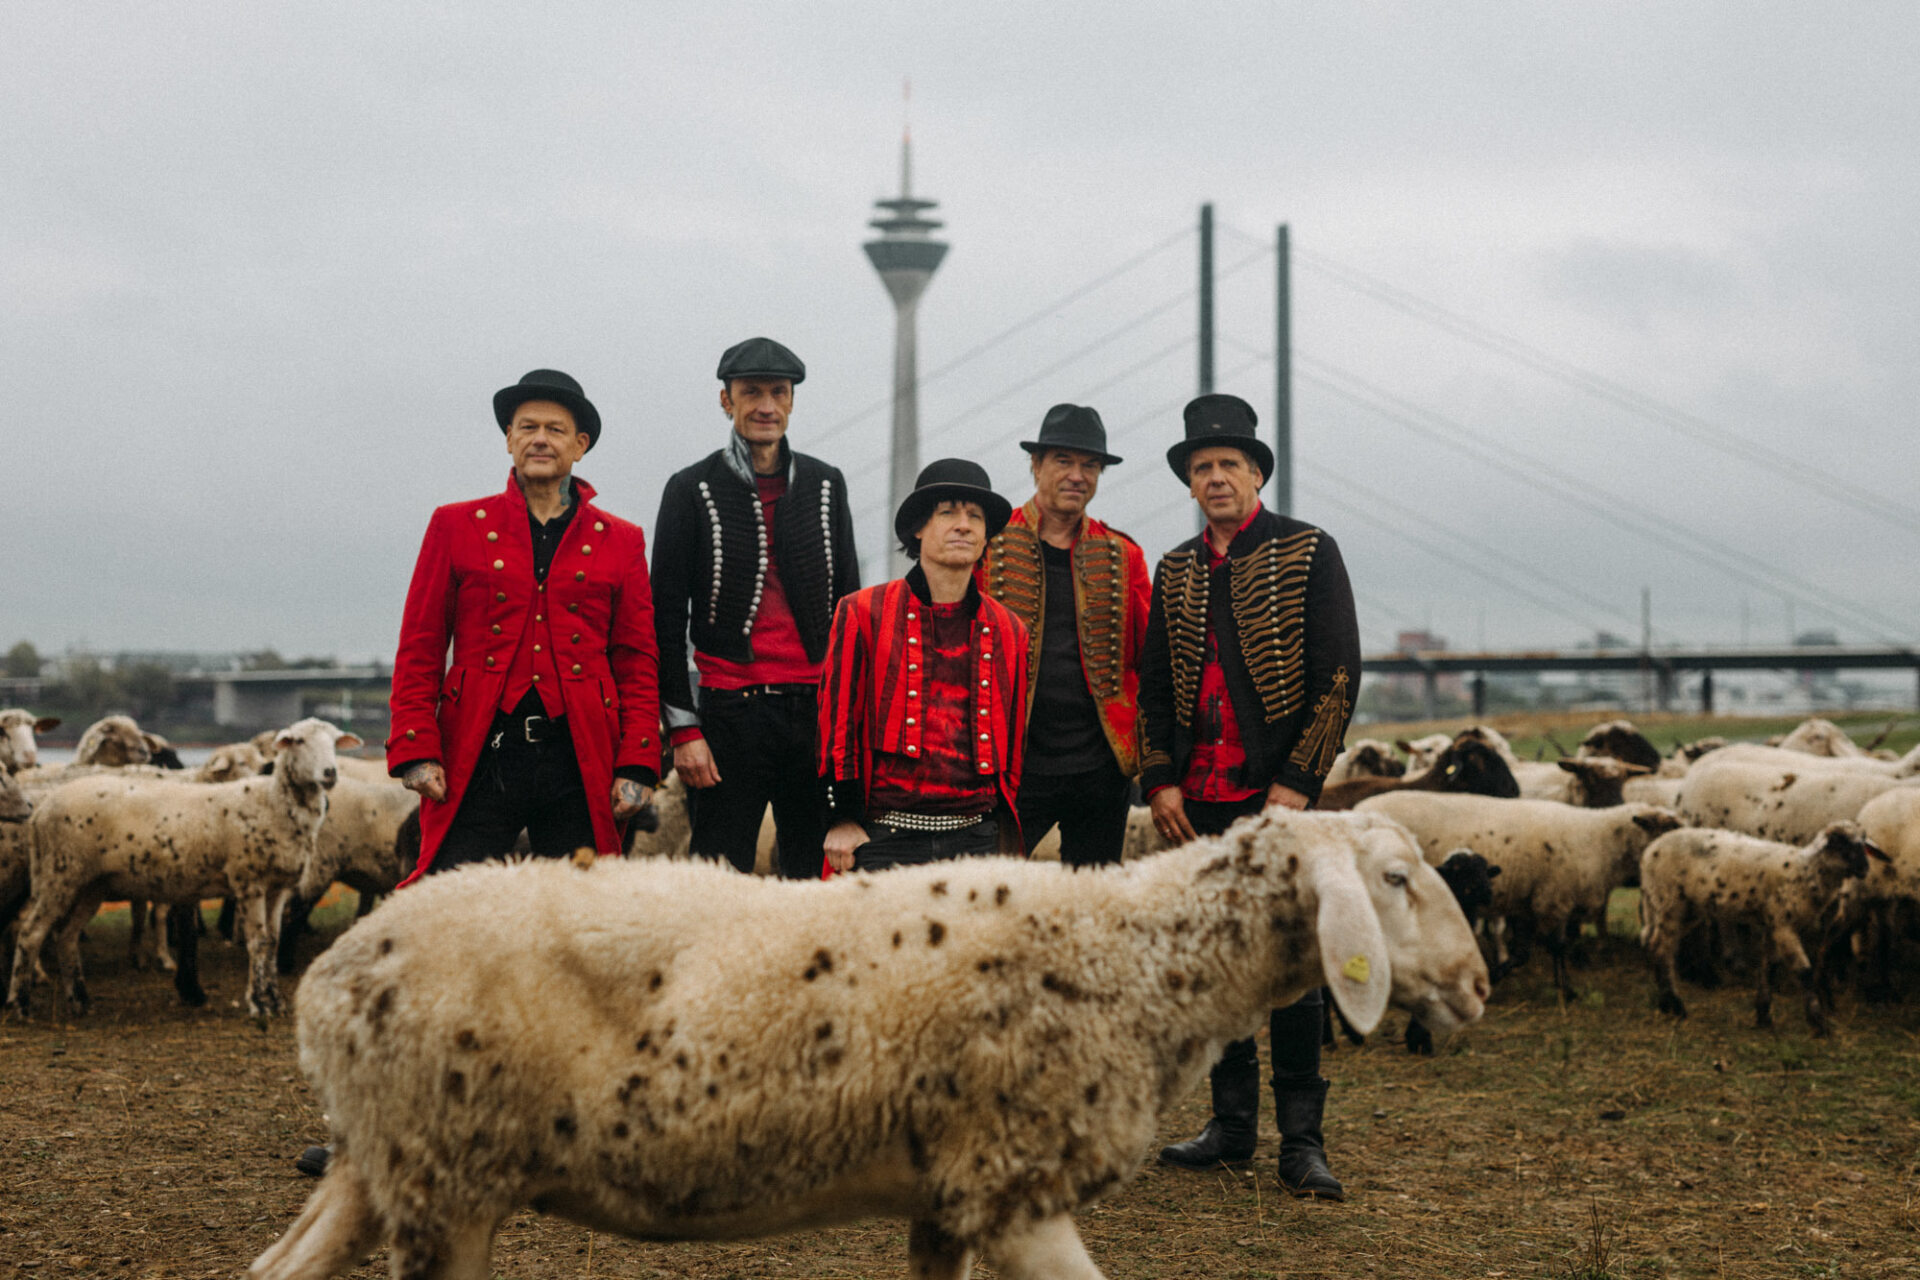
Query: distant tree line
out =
(142, 687)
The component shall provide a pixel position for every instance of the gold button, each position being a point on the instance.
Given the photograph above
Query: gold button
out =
(411, 735)
(536, 680)
(480, 513)
(496, 628)
(500, 595)
(489, 661)
(911, 615)
(606, 702)
(911, 720)
(580, 575)
(576, 637)
(536, 648)
(574, 607)
(539, 617)
(585, 550)
(499, 564)
(576, 668)
(645, 742)
(600, 526)
(543, 588)
(493, 535)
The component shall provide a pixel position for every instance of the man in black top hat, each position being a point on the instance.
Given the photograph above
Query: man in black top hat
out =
(920, 741)
(1247, 681)
(752, 551)
(1081, 588)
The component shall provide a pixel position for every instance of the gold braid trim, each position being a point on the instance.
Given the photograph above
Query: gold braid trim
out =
(1016, 577)
(1099, 581)
(1269, 600)
(1319, 745)
(1183, 577)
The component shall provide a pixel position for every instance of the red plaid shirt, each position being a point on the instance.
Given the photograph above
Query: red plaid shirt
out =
(1218, 752)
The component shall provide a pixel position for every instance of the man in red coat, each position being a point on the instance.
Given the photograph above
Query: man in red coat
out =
(547, 716)
(926, 681)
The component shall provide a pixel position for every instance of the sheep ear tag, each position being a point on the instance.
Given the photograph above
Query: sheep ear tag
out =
(1353, 949)
(1356, 969)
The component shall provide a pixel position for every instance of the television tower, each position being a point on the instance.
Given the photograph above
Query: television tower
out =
(906, 256)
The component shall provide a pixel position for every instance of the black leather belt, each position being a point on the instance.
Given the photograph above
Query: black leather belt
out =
(765, 691)
(514, 730)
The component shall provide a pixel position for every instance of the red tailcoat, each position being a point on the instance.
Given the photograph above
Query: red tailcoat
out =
(592, 620)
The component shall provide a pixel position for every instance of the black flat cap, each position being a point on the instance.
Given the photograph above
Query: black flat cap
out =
(1213, 420)
(946, 478)
(761, 358)
(1073, 426)
(548, 384)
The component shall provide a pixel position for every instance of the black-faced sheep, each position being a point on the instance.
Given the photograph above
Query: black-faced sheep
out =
(668, 1050)
(1469, 765)
(1693, 877)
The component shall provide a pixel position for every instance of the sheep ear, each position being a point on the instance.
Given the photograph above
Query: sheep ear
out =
(1875, 851)
(1353, 950)
(348, 742)
(154, 741)
(46, 724)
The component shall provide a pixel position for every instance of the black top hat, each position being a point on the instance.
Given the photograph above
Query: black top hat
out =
(1073, 426)
(761, 358)
(548, 384)
(1220, 420)
(949, 478)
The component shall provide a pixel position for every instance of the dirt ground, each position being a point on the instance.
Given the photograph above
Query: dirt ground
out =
(1595, 1140)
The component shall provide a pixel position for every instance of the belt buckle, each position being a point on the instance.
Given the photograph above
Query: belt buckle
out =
(526, 729)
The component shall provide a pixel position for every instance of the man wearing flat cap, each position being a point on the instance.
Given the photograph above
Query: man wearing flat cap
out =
(920, 734)
(752, 552)
(1081, 588)
(1247, 681)
(546, 716)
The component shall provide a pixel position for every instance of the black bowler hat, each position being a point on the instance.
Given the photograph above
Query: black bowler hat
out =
(1220, 420)
(548, 384)
(954, 478)
(761, 358)
(1072, 426)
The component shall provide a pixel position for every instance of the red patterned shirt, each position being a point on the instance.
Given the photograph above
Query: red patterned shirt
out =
(941, 777)
(1218, 751)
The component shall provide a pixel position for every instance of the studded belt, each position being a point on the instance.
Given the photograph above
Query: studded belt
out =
(928, 821)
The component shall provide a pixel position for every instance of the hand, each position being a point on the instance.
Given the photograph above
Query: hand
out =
(693, 761)
(842, 841)
(1285, 798)
(428, 779)
(1170, 816)
(629, 798)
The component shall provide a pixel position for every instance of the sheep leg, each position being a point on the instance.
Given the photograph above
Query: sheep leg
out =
(293, 927)
(1763, 995)
(1419, 1039)
(1879, 985)
(35, 923)
(260, 910)
(139, 941)
(1050, 1250)
(1554, 938)
(932, 1254)
(67, 949)
(185, 924)
(1786, 943)
(336, 1230)
(442, 1251)
(162, 953)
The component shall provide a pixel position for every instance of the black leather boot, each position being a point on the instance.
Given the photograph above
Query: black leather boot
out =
(1303, 1157)
(1231, 1134)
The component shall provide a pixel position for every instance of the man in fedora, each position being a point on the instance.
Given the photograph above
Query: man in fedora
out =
(926, 681)
(546, 717)
(1081, 588)
(1247, 681)
(752, 551)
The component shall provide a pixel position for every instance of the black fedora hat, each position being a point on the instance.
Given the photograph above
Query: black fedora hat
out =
(1073, 426)
(761, 358)
(941, 480)
(1213, 420)
(548, 384)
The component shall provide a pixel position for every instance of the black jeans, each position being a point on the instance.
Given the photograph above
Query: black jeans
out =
(900, 847)
(519, 785)
(763, 746)
(1091, 809)
(1296, 1028)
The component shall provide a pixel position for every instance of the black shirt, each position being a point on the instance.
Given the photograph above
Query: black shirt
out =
(546, 537)
(1063, 734)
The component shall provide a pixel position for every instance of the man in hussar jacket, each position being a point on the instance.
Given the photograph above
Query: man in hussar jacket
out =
(1247, 681)
(1081, 588)
(752, 552)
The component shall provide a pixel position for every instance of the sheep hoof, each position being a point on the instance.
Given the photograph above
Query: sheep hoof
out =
(194, 997)
(1671, 1004)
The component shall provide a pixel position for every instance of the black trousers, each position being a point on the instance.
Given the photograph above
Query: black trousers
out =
(1091, 809)
(763, 744)
(518, 786)
(901, 847)
(1295, 1029)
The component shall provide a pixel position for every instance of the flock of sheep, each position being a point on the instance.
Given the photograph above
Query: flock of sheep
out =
(662, 1048)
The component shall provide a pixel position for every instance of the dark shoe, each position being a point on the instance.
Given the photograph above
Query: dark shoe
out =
(1303, 1157)
(313, 1161)
(1231, 1134)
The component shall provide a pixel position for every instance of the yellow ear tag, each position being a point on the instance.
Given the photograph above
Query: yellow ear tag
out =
(1357, 969)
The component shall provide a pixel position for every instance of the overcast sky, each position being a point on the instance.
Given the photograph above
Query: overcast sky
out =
(262, 267)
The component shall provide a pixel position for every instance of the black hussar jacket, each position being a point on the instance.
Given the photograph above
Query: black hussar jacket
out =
(710, 562)
(1282, 608)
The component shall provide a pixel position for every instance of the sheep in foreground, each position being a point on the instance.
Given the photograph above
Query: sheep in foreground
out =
(666, 1050)
(1694, 876)
(105, 837)
(18, 747)
(1789, 802)
(1558, 864)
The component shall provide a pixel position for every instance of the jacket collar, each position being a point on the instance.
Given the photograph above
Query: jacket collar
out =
(1029, 515)
(739, 458)
(916, 580)
(582, 491)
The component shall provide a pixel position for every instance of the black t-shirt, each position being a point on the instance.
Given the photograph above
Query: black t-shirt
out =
(1064, 734)
(546, 538)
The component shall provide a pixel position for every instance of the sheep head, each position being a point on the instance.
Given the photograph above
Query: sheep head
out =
(113, 742)
(18, 750)
(1619, 740)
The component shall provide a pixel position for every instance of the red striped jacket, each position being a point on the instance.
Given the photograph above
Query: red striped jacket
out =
(874, 680)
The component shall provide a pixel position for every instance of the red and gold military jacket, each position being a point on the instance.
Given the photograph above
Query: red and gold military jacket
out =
(871, 690)
(1112, 595)
(589, 627)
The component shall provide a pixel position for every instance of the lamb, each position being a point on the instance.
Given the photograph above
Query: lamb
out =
(1789, 803)
(1468, 765)
(107, 837)
(18, 749)
(667, 1050)
(1367, 758)
(1696, 876)
(1558, 864)
(114, 741)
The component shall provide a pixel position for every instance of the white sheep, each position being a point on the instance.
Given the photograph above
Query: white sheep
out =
(1818, 737)
(105, 837)
(1558, 863)
(18, 747)
(1366, 758)
(668, 1050)
(1697, 876)
(1422, 752)
(114, 741)
(1790, 802)
(1906, 766)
